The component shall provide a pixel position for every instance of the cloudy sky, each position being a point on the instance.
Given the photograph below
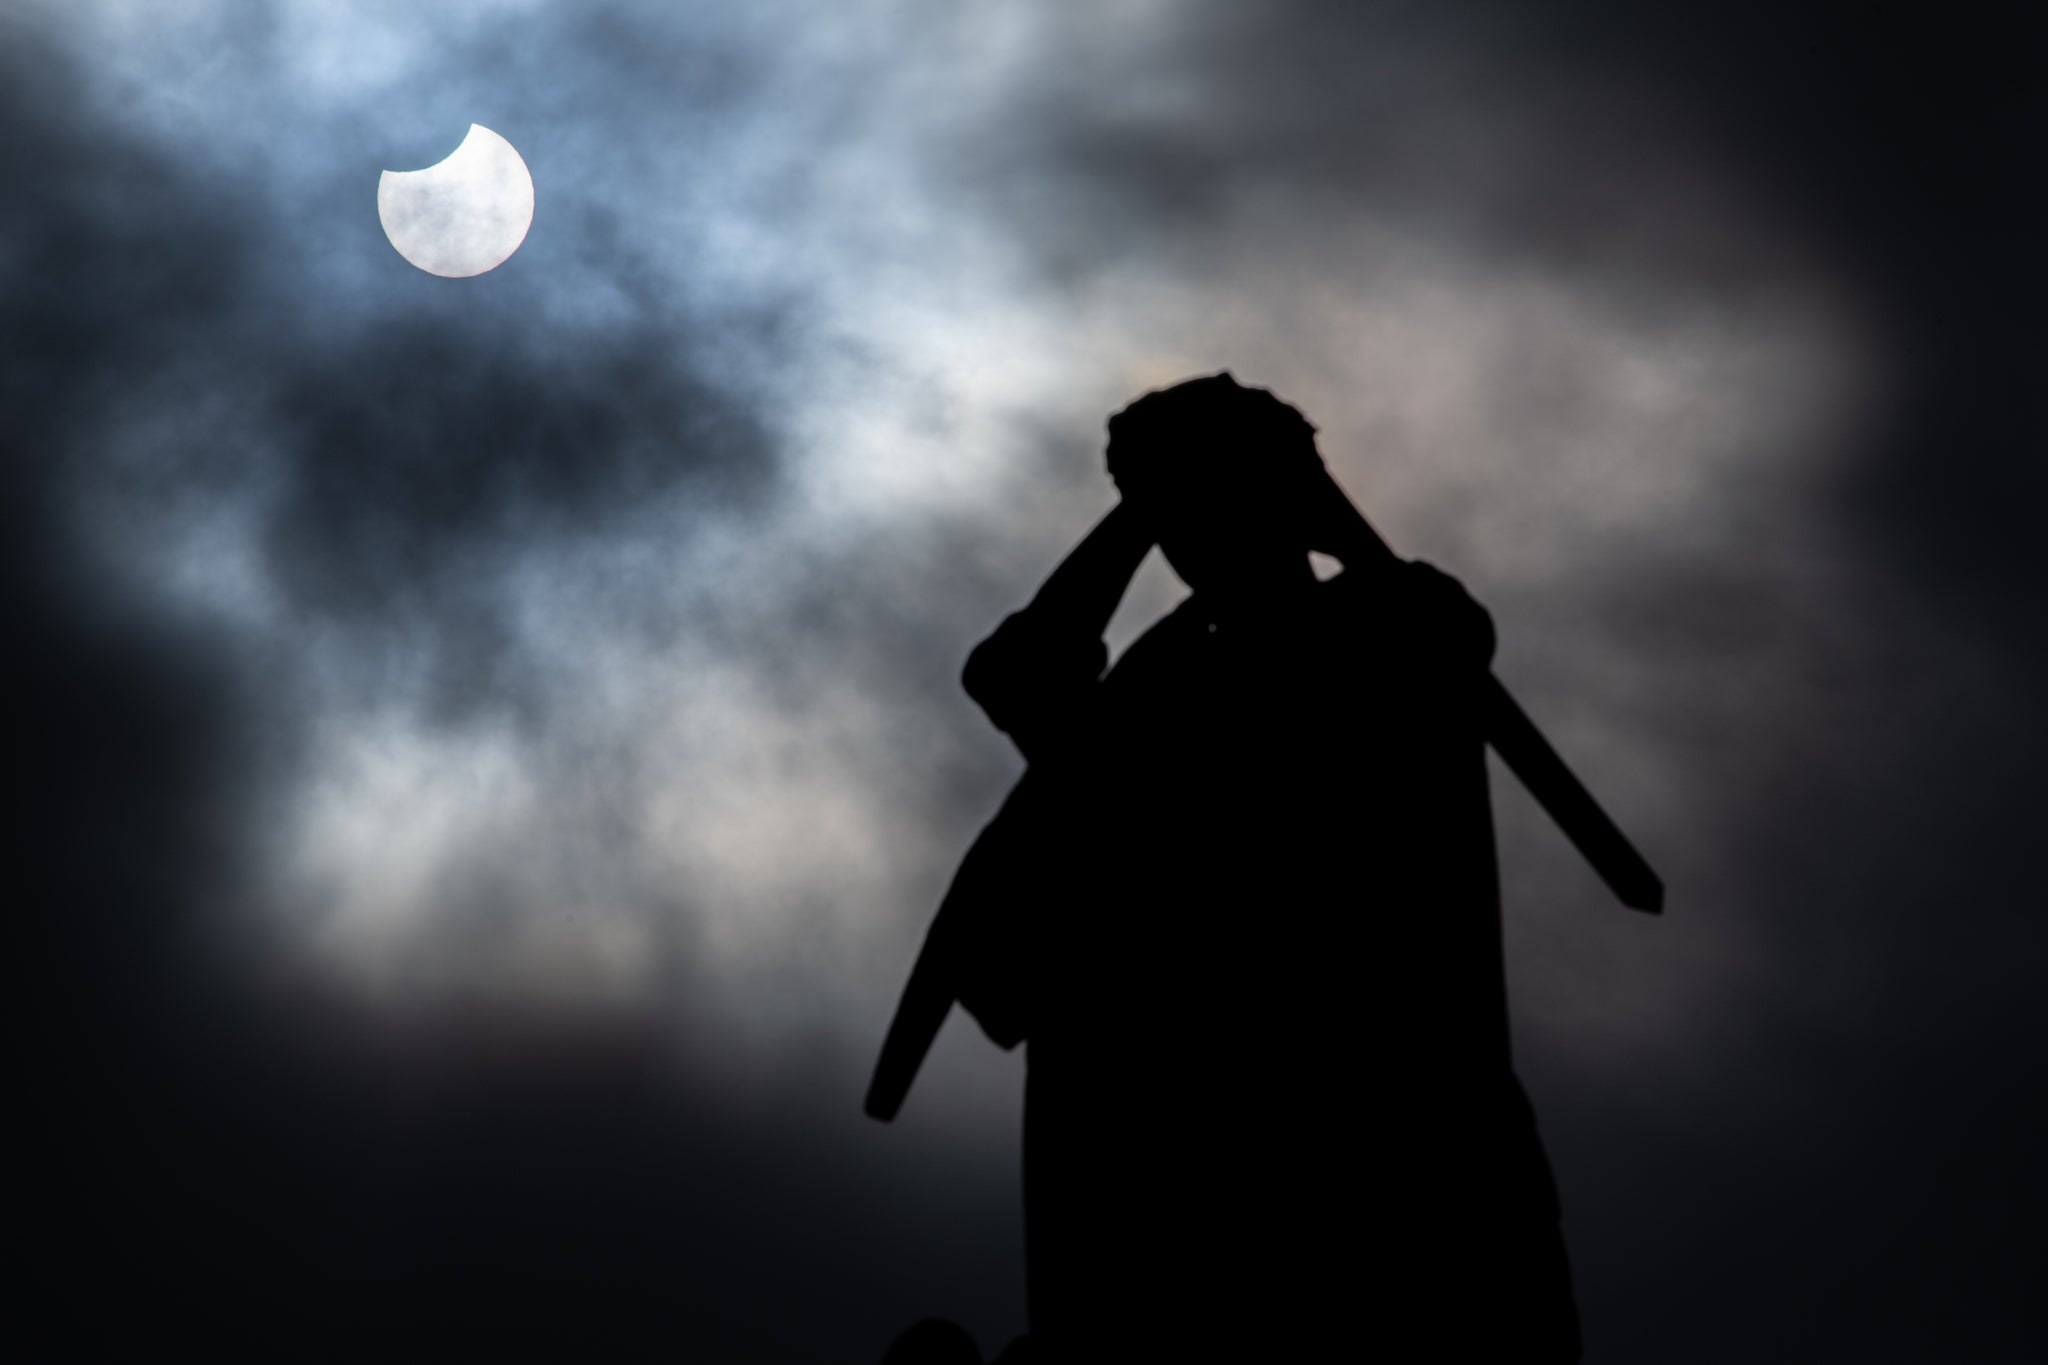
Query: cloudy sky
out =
(494, 744)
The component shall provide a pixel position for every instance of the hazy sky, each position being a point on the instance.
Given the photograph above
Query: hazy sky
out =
(535, 695)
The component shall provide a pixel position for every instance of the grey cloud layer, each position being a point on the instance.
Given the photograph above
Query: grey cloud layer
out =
(555, 626)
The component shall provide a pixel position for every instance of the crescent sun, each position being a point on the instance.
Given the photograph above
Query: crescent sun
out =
(461, 216)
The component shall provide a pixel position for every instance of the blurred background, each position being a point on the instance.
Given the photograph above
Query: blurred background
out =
(489, 748)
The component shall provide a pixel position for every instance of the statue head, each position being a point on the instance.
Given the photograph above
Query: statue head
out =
(1228, 477)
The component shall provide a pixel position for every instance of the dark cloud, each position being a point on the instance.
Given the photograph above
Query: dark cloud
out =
(422, 457)
(218, 1148)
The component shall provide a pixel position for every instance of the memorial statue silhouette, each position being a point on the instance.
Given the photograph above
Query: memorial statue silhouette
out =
(1243, 905)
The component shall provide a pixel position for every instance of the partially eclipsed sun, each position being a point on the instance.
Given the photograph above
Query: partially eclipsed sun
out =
(461, 216)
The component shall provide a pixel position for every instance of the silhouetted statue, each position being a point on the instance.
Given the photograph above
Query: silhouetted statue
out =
(1243, 905)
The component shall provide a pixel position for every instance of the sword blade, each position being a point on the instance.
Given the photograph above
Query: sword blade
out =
(1565, 799)
(1521, 745)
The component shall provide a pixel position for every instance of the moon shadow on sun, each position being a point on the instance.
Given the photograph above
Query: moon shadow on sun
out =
(461, 216)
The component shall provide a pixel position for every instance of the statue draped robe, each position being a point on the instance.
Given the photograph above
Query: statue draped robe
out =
(1244, 908)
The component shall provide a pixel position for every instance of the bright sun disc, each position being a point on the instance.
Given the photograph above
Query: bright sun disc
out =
(461, 216)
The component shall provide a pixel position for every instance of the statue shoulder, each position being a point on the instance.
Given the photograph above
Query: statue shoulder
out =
(1415, 607)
